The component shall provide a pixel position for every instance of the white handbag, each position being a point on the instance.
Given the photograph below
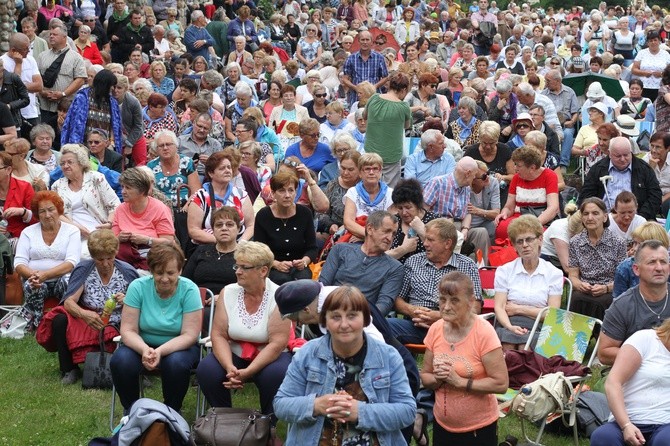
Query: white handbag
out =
(13, 325)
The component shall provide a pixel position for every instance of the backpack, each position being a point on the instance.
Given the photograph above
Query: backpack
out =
(542, 397)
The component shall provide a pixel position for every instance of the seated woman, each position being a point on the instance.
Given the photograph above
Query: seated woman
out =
(522, 125)
(465, 367)
(537, 190)
(624, 218)
(249, 337)
(314, 154)
(220, 168)
(35, 174)
(538, 140)
(160, 326)
(17, 196)
(423, 102)
(624, 278)
(42, 137)
(557, 236)
(158, 116)
(635, 105)
(285, 118)
(250, 153)
(330, 221)
(335, 124)
(370, 194)
(75, 325)
(339, 145)
(524, 286)
(343, 404)
(45, 255)
(408, 239)
(592, 260)
(601, 148)
(635, 389)
(288, 229)
(89, 200)
(465, 130)
(140, 221)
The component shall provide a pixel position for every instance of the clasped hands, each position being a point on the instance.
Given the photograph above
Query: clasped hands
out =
(151, 358)
(339, 406)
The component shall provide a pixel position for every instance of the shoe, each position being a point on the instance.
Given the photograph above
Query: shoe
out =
(71, 377)
(420, 433)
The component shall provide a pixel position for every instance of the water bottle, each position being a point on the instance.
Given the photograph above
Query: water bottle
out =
(3, 225)
(110, 305)
(411, 233)
(525, 390)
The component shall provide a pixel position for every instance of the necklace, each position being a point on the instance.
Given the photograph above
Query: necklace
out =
(220, 253)
(658, 315)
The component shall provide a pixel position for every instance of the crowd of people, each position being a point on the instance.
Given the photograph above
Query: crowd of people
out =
(149, 150)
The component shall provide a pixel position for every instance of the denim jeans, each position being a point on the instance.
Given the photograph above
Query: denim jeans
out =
(609, 434)
(406, 332)
(566, 146)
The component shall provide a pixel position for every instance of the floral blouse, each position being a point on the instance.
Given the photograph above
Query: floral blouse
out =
(308, 50)
(169, 184)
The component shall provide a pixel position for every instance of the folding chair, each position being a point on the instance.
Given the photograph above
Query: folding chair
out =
(204, 295)
(566, 334)
(487, 275)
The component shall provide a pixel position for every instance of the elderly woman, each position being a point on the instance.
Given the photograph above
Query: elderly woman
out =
(587, 136)
(309, 48)
(42, 136)
(339, 145)
(423, 103)
(524, 286)
(89, 201)
(177, 47)
(502, 108)
(238, 54)
(243, 100)
(317, 106)
(160, 326)
(304, 93)
(649, 65)
(465, 130)
(159, 82)
(34, 174)
(158, 117)
(250, 153)
(75, 325)
(308, 193)
(314, 154)
(247, 129)
(634, 391)
(134, 143)
(285, 118)
(533, 190)
(221, 169)
(464, 374)
(593, 258)
(344, 404)
(521, 126)
(172, 23)
(370, 194)
(601, 148)
(496, 155)
(132, 72)
(288, 229)
(172, 170)
(16, 196)
(45, 255)
(140, 221)
(86, 48)
(466, 61)
(412, 216)
(348, 175)
(249, 336)
(335, 124)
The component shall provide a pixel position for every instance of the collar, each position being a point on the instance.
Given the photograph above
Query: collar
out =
(616, 170)
(518, 268)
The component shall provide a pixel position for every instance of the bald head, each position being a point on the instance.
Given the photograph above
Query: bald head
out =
(621, 153)
(466, 169)
(19, 41)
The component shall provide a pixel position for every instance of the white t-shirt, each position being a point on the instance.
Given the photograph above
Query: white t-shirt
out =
(647, 392)
(32, 252)
(637, 221)
(649, 62)
(29, 69)
(557, 230)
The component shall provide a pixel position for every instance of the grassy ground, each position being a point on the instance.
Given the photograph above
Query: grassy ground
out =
(38, 410)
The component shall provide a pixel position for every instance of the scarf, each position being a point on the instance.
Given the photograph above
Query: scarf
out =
(208, 187)
(466, 129)
(334, 128)
(122, 17)
(358, 136)
(365, 196)
(130, 27)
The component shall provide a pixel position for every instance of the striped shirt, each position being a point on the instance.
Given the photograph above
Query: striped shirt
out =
(71, 69)
(446, 198)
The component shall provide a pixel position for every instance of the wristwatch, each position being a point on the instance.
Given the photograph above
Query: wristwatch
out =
(150, 242)
(63, 93)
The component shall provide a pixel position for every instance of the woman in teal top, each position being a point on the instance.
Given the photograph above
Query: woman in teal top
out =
(160, 326)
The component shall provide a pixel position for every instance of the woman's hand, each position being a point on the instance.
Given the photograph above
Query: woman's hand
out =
(13, 212)
(518, 330)
(236, 378)
(92, 319)
(107, 225)
(506, 131)
(151, 358)
(282, 267)
(139, 239)
(303, 172)
(119, 298)
(408, 245)
(37, 278)
(338, 406)
(299, 264)
(599, 290)
(124, 236)
(632, 436)
(584, 287)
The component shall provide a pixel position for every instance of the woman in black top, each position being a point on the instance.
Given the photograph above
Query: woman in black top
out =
(293, 33)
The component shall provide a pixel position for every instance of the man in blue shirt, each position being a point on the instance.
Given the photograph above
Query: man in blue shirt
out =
(196, 38)
(364, 65)
(430, 162)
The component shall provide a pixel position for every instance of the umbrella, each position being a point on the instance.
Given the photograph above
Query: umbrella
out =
(378, 33)
(580, 83)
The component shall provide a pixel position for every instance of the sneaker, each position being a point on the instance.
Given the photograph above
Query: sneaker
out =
(70, 377)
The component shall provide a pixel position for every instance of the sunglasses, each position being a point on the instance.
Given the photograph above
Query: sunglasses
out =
(483, 177)
(379, 43)
(292, 163)
(521, 126)
(433, 85)
(321, 95)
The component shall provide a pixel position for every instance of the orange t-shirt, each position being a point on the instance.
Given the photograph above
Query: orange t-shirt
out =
(455, 409)
(156, 220)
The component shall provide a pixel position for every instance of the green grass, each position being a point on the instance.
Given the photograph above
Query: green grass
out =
(36, 409)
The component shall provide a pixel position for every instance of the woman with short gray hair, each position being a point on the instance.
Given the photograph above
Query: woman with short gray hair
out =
(42, 137)
(465, 130)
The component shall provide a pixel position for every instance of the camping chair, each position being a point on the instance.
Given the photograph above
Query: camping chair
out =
(204, 295)
(567, 334)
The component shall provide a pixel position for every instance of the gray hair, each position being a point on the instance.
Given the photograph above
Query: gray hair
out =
(196, 15)
(41, 129)
(233, 65)
(536, 139)
(430, 135)
(239, 39)
(359, 113)
(173, 33)
(504, 86)
(491, 129)
(526, 89)
(168, 133)
(554, 74)
(158, 28)
(80, 152)
(345, 139)
(242, 88)
(85, 28)
(145, 83)
(469, 103)
(213, 77)
(327, 58)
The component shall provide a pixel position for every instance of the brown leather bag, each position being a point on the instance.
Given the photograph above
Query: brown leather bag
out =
(156, 435)
(13, 289)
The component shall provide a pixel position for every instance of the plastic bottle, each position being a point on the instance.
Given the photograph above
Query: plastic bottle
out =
(110, 304)
(525, 390)
(3, 225)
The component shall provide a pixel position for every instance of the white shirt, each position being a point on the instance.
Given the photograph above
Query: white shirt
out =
(662, 173)
(529, 289)
(32, 252)
(162, 46)
(649, 62)
(557, 230)
(28, 70)
(637, 221)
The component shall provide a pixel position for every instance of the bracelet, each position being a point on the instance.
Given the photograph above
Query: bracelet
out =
(25, 211)
(312, 184)
(465, 228)
(468, 386)
(623, 428)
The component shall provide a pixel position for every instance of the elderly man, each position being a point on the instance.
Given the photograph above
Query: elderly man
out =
(18, 61)
(364, 65)
(367, 266)
(517, 37)
(539, 124)
(196, 38)
(161, 44)
(622, 171)
(445, 50)
(484, 206)
(198, 142)
(528, 96)
(418, 296)
(642, 307)
(567, 110)
(433, 161)
(66, 81)
(449, 195)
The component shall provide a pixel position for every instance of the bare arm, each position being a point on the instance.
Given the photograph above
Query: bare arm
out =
(278, 334)
(608, 349)
(562, 251)
(9, 134)
(194, 224)
(350, 219)
(317, 197)
(552, 209)
(193, 181)
(220, 339)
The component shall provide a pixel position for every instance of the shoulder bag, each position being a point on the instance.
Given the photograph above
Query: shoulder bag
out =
(97, 374)
(228, 426)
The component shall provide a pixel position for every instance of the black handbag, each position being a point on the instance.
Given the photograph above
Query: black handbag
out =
(228, 426)
(97, 374)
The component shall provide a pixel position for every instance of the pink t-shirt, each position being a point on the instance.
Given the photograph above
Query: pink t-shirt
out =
(156, 220)
(455, 409)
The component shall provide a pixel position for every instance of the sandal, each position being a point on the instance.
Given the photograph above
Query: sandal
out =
(420, 433)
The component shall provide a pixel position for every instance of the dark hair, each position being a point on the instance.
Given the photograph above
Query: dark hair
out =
(157, 99)
(653, 35)
(228, 212)
(637, 82)
(608, 129)
(216, 158)
(598, 202)
(287, 88)
(596, 59)
(136, 12)
(625, 197)
(408, 191)
(346, 297)
(576, 47)
(399, 81)
(651, 244)
(664, 137)
(162, 253)
(47, 195)
(665, 78)
(102, 84)
(283, 178)
(454, 282)
(188, 84)
(420, 41)
(278, 84)
(249, 124)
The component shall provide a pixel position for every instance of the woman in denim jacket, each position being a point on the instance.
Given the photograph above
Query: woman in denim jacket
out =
(345, 387)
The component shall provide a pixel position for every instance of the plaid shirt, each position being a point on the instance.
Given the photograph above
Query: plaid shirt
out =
(419, 285)
(443, 195)
(372, 70)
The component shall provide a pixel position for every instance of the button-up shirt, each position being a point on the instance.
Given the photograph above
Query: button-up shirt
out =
(423, 169)
(358, 69)
(189, 148)
(565, 101)
(662, 173)
(550, 115)
(620, 182)
(486, 17)
(446, 198)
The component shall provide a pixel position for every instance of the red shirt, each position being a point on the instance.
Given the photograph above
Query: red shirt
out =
(19, 195)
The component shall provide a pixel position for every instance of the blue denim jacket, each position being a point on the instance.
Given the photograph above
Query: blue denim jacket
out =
(390, 405)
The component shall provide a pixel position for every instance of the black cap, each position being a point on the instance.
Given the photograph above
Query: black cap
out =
(294, 296)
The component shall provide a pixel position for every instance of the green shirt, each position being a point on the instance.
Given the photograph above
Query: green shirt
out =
(386, 127)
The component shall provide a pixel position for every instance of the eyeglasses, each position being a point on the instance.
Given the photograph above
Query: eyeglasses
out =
(341, 151)
(524, 241)
(292, 163)
(89, 20)
(371, 169)
(67, 163)
(244, 154)
(167, 144)
(379, 43)
(522, 126)
(241, 131)
(94, 143)
(555, 63)
(433, 85)
(483, 177)
(321, 95)
(313, 135)
(237, 267)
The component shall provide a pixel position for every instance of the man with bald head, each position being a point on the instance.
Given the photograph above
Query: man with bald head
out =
(364, 65)
(621, 171)
(18, 61)
(449, 195)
